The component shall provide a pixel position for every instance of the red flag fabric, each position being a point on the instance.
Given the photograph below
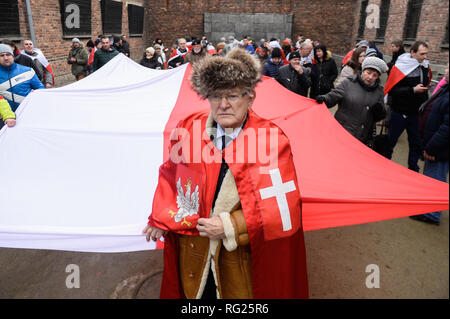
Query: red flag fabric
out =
(341, 181)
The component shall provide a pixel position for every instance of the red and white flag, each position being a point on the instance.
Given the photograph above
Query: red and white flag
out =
(405, 65)
(82, 177)
(43, 60)
(176, 53)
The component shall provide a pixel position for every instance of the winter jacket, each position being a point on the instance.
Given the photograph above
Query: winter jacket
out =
(43, 74)
(404, 100)
(436, 134)
(271, 69)
(5, 110)
(152, 63)
(394, 59)
(292, 80)
(126, 48)
(16, 82)
(193, 57)
(359, 107)
(101, 57)
(327, 72)
(347, 72)
(81, 55)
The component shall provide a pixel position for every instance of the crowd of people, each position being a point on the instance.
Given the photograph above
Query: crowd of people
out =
(305, 67)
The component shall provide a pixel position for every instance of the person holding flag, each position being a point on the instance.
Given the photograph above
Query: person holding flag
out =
(45, 73)
(16, 80)
(214, 208)
(6, 114)
(177, 57)
(407, 86)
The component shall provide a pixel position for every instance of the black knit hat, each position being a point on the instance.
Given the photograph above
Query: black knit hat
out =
(293, 55)
(276, 53)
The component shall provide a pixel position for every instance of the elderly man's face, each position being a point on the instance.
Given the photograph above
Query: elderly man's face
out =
(294, 62)
(229, 107)
(197, 48)
(182, 44)
(28, 46)
(306, 50)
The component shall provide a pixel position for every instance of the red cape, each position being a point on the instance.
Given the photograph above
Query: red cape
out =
(273, 221)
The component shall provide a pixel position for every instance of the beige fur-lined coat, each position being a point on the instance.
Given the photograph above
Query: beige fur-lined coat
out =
(229, 258)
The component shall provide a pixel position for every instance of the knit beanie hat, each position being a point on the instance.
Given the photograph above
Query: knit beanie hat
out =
(374, 63)
(76, 40)
(371, 52)
(276, 53)
(294, 55)
(5, 48)
(150, 50)
(362, 43)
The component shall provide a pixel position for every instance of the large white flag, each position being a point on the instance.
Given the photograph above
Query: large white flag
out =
(80, 167)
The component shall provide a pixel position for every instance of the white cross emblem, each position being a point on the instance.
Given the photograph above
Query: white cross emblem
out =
(279, 190)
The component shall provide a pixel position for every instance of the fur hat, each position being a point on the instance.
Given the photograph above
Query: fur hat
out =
(236, 69)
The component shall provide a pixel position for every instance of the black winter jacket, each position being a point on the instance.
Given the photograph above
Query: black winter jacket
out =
(360, 107)
(152, 63)
(292, 80)
(436, 134)
(327, 72)
(404, 100)
(271, 69)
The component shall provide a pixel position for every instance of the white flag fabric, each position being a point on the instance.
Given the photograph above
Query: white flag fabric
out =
(80, 168)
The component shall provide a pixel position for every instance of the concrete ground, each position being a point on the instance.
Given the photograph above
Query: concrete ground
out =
(412, 259)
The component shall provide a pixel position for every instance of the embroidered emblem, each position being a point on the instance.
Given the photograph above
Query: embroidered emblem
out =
(188, 204)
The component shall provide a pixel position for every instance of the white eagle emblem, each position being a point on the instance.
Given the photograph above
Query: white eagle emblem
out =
(188, 204)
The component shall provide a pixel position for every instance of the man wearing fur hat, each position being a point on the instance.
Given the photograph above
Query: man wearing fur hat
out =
(231, 217)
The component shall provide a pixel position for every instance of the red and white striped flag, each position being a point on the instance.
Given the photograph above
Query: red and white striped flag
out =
(404, 66)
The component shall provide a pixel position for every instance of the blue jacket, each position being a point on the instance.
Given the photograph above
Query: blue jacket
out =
(271, 69)
(436, 134)
(16, 82)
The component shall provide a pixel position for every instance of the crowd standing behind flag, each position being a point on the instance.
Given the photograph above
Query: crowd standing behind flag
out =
(315, 75)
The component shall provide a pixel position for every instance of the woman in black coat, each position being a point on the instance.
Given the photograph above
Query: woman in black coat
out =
(326, 69)
(150, 59)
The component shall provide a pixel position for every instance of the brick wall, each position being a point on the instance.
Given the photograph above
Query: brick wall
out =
(49, 33)
(433, 19)
(330, 21)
